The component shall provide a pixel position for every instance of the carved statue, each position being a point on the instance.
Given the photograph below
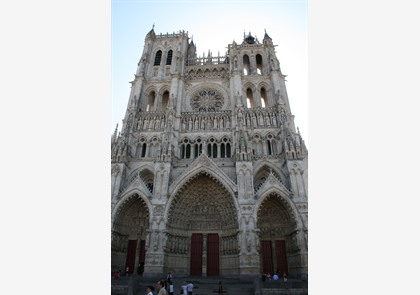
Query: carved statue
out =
(254, 120)
(267, 120)
(190, 124)
(227, 123)
(248, 241)
(183, 126)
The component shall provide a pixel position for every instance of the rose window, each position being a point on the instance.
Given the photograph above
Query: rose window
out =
(207, 101)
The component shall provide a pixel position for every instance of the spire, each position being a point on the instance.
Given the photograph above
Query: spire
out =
(114, 136)
(151, 32)
(266, 35)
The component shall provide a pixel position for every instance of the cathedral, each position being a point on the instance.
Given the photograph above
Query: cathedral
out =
(209, 173)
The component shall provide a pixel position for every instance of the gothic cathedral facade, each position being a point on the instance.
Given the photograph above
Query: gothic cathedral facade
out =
(209, 175)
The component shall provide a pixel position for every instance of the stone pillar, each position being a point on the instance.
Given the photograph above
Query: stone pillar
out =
(154, 260)
(204, 261)
(116, 175)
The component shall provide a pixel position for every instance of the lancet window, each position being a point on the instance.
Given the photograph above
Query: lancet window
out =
(151, 102)
(259, 64)
(169, 58)
(249, 98)
(246, 64)
(165, 100)
(158, 57)
(264, 101)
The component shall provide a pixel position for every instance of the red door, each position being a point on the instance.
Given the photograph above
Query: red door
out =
(212, 254)
(131, 255)
(196, 262)
(281, 257)
(267, 257)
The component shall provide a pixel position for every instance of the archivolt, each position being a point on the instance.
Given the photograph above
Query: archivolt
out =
(202, 199)
(127, 201)
(184, 183)
(179, 184)
(289, 206)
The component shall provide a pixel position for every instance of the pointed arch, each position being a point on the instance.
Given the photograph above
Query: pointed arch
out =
(169, 57)
(288, 204)
(165, 100)
(266, 166)
(246, 65)
(259, 62)
(158, 57)
(151, 99)
(179, 184)
(128, 198)
(187, 179)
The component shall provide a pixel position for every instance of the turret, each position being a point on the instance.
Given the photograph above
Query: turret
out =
(267, 40)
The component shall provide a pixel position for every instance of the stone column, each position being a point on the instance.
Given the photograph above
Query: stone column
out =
(204, 261)
(154, 256)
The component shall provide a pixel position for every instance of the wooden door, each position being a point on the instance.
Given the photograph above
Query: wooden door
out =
(131, 256)
(196, 262)
(267, 257)
(281, 257)
(212, 254)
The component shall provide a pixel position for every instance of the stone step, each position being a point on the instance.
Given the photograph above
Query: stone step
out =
(136, 285)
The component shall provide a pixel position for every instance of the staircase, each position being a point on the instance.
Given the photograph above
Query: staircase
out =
(137, 285)
(279, 287)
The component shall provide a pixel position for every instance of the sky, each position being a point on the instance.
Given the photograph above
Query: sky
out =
(212, 25)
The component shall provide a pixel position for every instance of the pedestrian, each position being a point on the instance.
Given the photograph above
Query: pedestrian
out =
(221, 291)
(126, 270)
(284, 277)
(150, 290)
(184, 288)
(190, 287)
(171, 288)
(169, 276)
(161, 288)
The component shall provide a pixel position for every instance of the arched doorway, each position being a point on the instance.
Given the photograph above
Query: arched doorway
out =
(129, 232)
(202, 230)
(279, 248)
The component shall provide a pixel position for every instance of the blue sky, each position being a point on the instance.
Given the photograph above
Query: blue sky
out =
(213, 25)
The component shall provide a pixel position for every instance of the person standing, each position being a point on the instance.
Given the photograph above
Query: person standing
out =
(160, 288)
(184, 288)
(150, 290)
(171, 287)
(190, 288)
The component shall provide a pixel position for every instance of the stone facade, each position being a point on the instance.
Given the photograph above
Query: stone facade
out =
(208, 164)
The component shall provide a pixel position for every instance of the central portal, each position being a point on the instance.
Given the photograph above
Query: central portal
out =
(202, 230)
(204, 255)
